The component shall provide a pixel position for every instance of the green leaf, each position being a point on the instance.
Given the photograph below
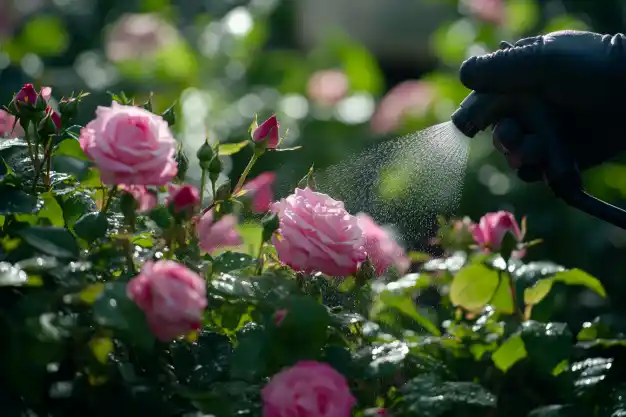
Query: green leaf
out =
(92, 226)
(115, 310)
(161, 216)
(51, 210)
(579, 277)
(249, 360)
(232, 148)
(474, 286)
(503, 298)
(604, 343)
(70, 165)
(547, 344)
(558, 411)
(11, 276)
(54, 241)
(70, 147)
(538, 292)
(509, 353)
(404, 304)
(232, 261)
(252, 237)
(15, 201)
(429, 396)
(590, 376)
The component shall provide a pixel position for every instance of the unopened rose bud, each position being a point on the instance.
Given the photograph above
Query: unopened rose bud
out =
(267, 132)
(50, 124)
(183, 163)
(183, 198)
(223, 192)
(215, 166)
(27, 96)
(205, 154)
(270, 225)
(169, 115)
(68, 108)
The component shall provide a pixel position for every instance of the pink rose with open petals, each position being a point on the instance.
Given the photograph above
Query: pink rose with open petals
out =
(268, 130)
(7, 123)
(316, 233)
(130, 145)
(172, 296)
(490, 231)
(214, 235)
(260, 189)
(381, 248)
(146, 199)
(307, 389)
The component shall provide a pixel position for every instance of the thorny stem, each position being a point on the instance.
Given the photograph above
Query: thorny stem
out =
(259, 269)
(202, 185)
(109, 200)
(246, 171)
(31, 153)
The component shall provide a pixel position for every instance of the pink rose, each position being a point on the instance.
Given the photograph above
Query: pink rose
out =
(409, 98)
(307, 389)
(267, 130)
(327, 87)
(54, 116)
(490, 231)
(492, 11)
(279, 316)
(26, 95)
(260, 189)
(146, 199)
(7, 121)
(214, 235)
(172, 297)
(316, 233)
(130, 145)
(183, 197)
(381, 248)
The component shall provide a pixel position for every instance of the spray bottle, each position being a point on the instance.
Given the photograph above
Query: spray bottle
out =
(479, 111)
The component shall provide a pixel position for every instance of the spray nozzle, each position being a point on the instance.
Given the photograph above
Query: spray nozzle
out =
(479, 111)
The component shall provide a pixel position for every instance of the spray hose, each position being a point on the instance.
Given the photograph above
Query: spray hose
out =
(479, 111)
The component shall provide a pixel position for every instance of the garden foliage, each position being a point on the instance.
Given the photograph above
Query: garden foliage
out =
(126, 292)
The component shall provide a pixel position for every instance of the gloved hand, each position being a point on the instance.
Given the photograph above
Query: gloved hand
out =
(580, 76)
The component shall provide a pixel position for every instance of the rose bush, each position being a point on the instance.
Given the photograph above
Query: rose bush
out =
(126, 291)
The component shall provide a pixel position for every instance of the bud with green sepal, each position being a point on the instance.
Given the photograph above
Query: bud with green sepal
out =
(205, 155)
(169, 115)
(148, 104)
(183, 163)
(49, 125)
(270, 225)
(308, 180)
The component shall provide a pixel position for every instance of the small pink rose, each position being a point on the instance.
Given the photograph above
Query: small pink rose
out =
(268, 130)
(130, 145)
(146, 199)
(492, 11)
(381, 248)
(316, 233)
(54, 116)
(183, 197)
(172, 297)
(490, 231)
(327, 87)
(214, 235)
(26, 95)
(260, 189)
(279, 316)
(307, 389)
(409, 98)
(7, 123)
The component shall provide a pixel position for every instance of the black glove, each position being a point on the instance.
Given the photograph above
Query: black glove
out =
(580, 76)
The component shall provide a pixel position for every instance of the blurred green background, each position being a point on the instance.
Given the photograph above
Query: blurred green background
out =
(341, 75)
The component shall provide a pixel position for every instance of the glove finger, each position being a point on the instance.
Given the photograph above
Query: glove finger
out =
(527, 41)
(507, 71)
(505, 45)
(507, 136)
(532, 150)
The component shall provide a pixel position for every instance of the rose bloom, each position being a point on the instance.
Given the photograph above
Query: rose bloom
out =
(492, 11)
(260, 189)
(381, 248)
(213, 235)
(267, 130)
(172, 296)
(146, 199)
(316, 233)
(327, 87)
(138, 36)
(183, 197)
(130, 145)
(409, 98)
(307, 389)
(490, 231)
(7, 121)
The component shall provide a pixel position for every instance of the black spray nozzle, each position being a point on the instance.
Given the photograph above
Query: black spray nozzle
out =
(480, 111)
